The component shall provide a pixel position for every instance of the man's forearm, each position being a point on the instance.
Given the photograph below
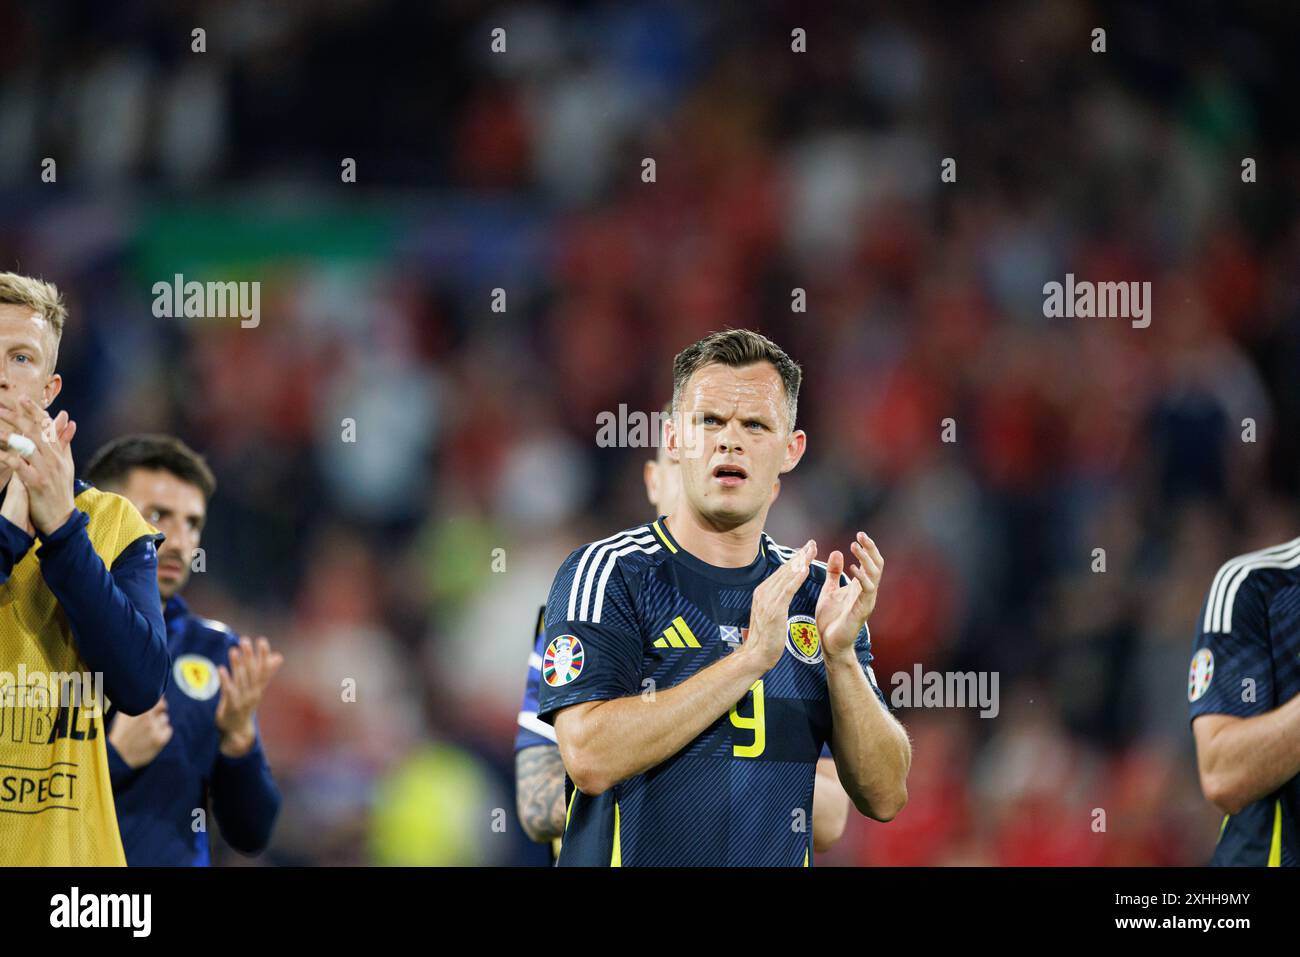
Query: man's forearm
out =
(830, 806)
(619, 739)
(871, 749)
(539, 786)
(245, 800)
(120, 774)
(1249, 758)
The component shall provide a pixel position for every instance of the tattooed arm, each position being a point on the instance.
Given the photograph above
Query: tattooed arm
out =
(539, 786)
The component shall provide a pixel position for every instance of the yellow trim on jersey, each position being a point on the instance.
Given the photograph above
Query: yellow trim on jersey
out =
(569, 813)
(805, 857)
(1223, 827)
(616, 858)
(1275, 852)
(663, 538)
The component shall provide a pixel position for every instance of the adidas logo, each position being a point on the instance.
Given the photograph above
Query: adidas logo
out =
(678, 635)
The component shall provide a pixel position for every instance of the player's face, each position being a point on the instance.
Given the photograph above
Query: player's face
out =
(26, 347)
(176, 508)
(734, 440)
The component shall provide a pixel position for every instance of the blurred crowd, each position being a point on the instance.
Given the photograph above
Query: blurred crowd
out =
(401, 572)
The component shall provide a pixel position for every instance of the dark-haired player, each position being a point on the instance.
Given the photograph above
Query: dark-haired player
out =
(694, 669)
(539, 770)
(200, 741)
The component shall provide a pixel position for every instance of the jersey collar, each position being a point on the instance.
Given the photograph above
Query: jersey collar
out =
(175, 609)
(745, 575)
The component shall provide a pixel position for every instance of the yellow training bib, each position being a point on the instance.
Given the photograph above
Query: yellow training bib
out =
(56, 799)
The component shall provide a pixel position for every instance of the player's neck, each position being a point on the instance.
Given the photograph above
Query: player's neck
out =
(724, 548)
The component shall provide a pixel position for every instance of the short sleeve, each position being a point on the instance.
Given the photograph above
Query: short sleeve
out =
(863, 647)
(593, 649)
(532, 732)
(1231, 671)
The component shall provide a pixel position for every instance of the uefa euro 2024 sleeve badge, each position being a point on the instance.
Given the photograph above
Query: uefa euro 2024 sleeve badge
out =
(1201, 674)
(562, 662)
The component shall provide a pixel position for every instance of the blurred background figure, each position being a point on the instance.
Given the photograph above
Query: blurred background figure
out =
(400, 564)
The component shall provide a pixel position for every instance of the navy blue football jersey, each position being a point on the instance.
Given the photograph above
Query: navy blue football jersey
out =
(156, 802)
(635, 613)
(1246, 661)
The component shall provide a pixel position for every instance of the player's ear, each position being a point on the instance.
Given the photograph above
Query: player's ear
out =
(53, 386)
(794, 449)
(671, 439)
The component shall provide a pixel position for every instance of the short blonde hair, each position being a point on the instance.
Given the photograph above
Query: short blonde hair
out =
(43, 297)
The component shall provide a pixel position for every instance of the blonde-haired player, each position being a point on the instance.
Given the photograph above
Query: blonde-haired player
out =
(80, 616)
